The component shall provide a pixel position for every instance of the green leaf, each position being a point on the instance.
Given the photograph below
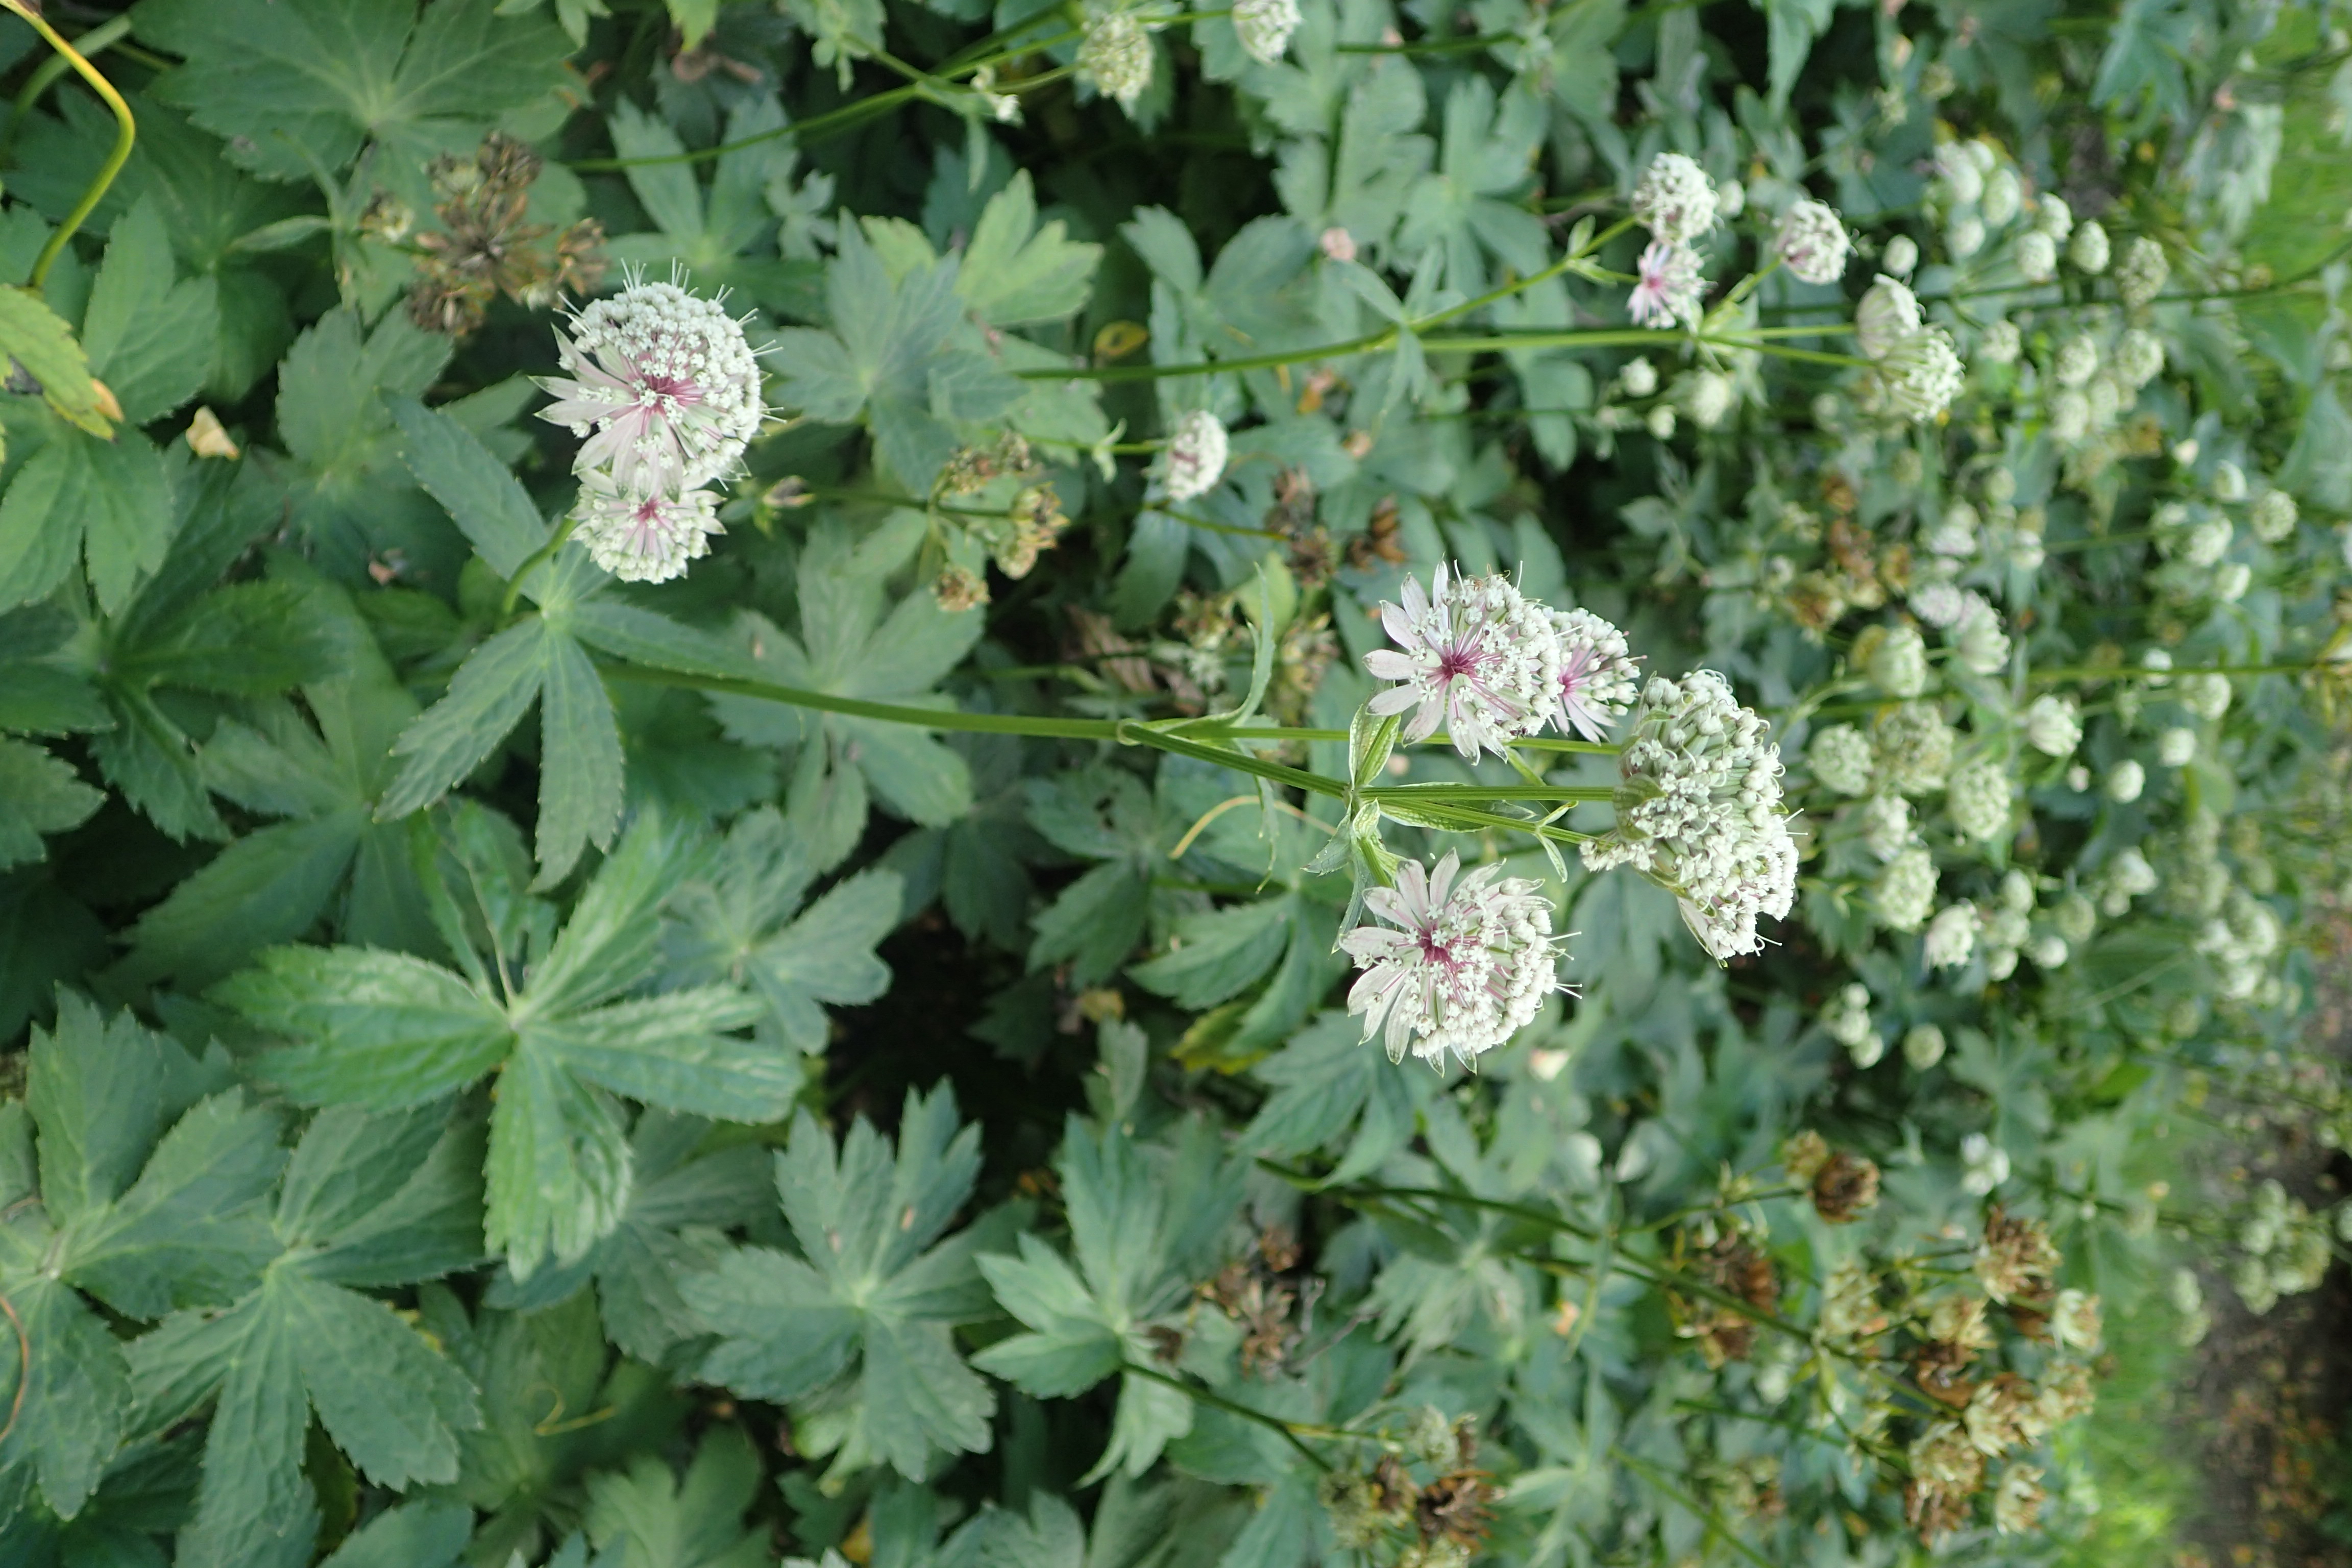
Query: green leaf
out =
(106, 499)
(32, 335)
(648, 1518)
(38, 793)
(380, 1029)
(680, 1200)
(411, 1535)
(1014, 273)
(477, 489)
(739, 923)
(488, 698)
(871, 1298)
(278, 86)
(1217, 954)
(150, 339)
(851, 646)
(896, 345)
(1135, 1233)
(559, 1166)
(579, 771)
(353, 497)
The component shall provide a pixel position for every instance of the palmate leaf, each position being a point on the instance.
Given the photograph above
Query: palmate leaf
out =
(274, 884)
(1139, 1235)
(744, 924)
(385, 1030)
(150, 339)
(855, 642)
(366, 1200)
(858, 1320)
(541, 659)
(647, 1517)
(283, 89)
(132, 1172)
(681, 1202)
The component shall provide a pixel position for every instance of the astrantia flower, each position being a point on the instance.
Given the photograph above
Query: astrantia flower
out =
(1922, 373)
(2141, 272)
(1886, 826)
(643, 538)
(1669, 287)
(1954, 532)
(1597, 674)
(2126, 780)
(1675, 200)
(1196, 455)
(2077, 361)
(1710, 396)
(2017, 1501)
(2089, 251)
(2207, 695)
(1901, 254)
(1965, 237)
(2177, 747)
(2054, 725)
(1914, 748)
(2053, 216)
(2003, 193)
(1467, 965)
(1981, 642)
(1698, 810)
(1905, 890)
(1841, 757)
(1923, 1047)
(1951, 937)
(1898, 665)
(1265, 27)
(1977, 800)
(1985, 1164)
(2140, 357)
(1812, 242)
(1116, 55)
(2000, 343)
(663, 384)
(1888, 313)
(2273, 516)
(2036, 255)
(1472, 653)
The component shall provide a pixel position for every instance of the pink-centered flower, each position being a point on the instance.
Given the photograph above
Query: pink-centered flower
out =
(1474, 653)
(643, 538)
(663, 385)
(1669, 287)
(1597, 674)
(1462, 963)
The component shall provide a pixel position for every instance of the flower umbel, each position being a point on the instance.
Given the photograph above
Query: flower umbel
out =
(1196, 455)
(1676, 201)
(1669, 287)
(663, 384)
(1698, 812)
(1468, 964)
(643, 538)
(1476, 653)
(1597, 673)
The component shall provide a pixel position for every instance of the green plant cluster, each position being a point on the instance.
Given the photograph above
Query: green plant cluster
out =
(840, 1045)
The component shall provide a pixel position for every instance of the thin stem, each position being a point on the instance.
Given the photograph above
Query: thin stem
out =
(847, 115)
(536, 558)
(1232, 1406)
(126, 133)
(1370, 343)
(2136, 672)
(45, 75)
(1706, 1516)
(1475, 792)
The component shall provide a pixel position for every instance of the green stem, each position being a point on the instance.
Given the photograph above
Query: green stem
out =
(126, 133)
(1706, 1516)
(2134, 673)
(842, 118)
(1475, 792)
(45, 75)
(530, 563)
(1232, 1406)
(1370, 343)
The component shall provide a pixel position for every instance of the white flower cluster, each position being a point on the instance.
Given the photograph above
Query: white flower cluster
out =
(1846, 1019)
(1195, 458)
(1115, 54)
(2285, 1247)
(1677, 204)
(1265, 27)
(1698, 810)
(1918, 370)
(1812, 242)
(1462, 963)
(666, 388)
(1494, 665)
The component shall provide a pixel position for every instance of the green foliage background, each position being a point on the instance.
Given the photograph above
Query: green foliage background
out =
(693, 1128)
